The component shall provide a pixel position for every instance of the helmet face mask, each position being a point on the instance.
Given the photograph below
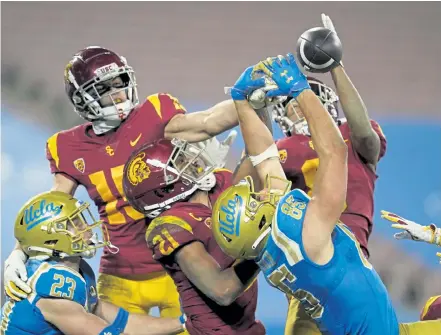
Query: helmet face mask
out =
(54, 224)
(289, 108)
(242, 218)
(89, 79)
(164, 172)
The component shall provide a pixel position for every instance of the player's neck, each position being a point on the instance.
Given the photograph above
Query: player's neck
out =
(71, 262)
(201, 197)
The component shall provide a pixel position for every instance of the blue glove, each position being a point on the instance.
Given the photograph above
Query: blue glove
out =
(286, 74)
(245, 85)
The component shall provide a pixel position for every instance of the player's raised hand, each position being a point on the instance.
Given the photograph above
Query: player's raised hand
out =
(412, 230)
(327, 23)
(285, 72)
(247, 83)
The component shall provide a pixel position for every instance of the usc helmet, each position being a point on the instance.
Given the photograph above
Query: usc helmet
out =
(54, 224)
(88, 78)
(163, 172)
(242, 218)
(327, 97)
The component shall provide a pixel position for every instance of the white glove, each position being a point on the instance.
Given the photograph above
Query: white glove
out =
(412, 230)
(15, 276)
(218, 151)
(327, 23)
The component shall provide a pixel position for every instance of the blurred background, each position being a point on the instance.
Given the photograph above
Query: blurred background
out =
(193, 50)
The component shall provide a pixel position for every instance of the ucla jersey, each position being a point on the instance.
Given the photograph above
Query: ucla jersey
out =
(48, 280)
(345, 296)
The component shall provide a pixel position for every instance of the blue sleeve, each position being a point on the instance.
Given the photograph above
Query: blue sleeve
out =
(60, 282)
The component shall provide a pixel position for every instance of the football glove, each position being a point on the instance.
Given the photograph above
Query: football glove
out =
(15, 276)
(247, 83)
(327, 23)
(217, 150)
(285, 72)
(412, 230)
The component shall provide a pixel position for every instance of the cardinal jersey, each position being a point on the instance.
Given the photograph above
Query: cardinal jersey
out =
(300, 162)
(344, 296)
(432, 309)
(48, 280)
(97, 163)
(183, 224)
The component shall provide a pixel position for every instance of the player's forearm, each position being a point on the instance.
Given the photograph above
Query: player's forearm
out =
(200, 126)
(140, 324)
(256, 135)
(353, 106)
(265, 115)
(325, 135)
(235, 280)
(363, 136)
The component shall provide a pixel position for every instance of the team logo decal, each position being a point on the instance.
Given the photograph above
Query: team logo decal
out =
(283, 155)
(138, 169)
(80, 165)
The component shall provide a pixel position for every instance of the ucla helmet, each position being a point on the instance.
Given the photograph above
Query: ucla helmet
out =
(242, 218)
(55, 224)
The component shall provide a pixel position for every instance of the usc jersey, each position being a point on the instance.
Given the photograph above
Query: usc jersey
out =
(97, 163)
(432, 309)
(51, 281)
(183, 224)
(300, 162)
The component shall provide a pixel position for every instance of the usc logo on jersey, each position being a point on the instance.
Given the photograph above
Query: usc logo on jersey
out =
(283, 155)
(137, 170)
(80, 165)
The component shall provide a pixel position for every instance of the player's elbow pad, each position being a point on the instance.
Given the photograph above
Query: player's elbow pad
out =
(118, 326)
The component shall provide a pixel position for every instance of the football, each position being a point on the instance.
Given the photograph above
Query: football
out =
(319, 50)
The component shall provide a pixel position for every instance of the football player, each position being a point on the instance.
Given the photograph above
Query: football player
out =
(102, 88)
(298, 241)
(163, 177)
(57, 232)
(429, 234)
(366, 146)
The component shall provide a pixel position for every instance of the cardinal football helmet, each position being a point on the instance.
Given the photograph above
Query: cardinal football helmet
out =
(242, 217)
(88, 78)
(163, 172)
(54, 224)
(327, 97)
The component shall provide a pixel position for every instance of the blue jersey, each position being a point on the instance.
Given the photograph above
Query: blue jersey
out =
(48, 280)
(344, 296)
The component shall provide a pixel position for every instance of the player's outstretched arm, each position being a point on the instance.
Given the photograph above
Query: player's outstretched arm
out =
(221, 286)
(200, 126)
(139, 324)
(364, 138)
(330, 183)
(259, 143)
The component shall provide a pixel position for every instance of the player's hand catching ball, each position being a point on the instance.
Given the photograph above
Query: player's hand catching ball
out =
(286, 74)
